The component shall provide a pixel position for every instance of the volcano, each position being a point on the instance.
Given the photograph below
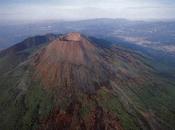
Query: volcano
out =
(72, 60)
(73, 82)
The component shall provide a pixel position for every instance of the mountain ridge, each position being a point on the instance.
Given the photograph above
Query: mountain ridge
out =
(70, 82)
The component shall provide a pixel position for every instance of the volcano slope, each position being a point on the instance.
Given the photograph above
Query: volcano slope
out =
(70, 82)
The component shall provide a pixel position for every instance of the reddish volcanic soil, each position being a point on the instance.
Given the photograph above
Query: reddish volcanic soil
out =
(71, 119)
(71, 66)
(71, 60)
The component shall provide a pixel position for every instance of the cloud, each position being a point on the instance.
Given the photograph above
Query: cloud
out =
(86, 9)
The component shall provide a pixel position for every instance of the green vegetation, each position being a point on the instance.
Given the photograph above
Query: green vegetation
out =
(132, 91)
(22, 108)
(112, 104)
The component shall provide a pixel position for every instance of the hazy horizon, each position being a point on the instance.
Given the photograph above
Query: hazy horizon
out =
(39, 10)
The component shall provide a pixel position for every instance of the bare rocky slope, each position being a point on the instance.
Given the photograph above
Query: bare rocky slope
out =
(69, 82)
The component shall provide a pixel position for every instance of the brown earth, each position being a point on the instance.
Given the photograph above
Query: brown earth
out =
(71, 119)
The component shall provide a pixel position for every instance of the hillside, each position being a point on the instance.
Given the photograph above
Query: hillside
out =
(70, 81)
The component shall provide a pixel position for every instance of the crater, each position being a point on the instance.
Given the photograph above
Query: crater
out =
(74, 36)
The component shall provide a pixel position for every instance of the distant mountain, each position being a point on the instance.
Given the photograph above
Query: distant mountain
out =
(158, 35)
(71, 81)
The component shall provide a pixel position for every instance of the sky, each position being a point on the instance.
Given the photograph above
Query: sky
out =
(37, 10)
